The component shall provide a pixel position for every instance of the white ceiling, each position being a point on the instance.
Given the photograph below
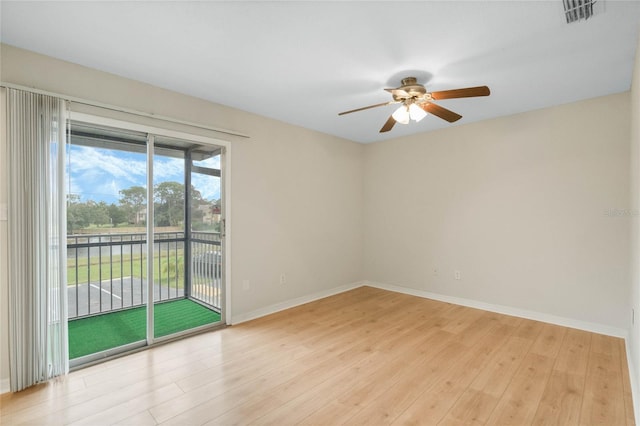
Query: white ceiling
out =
(303, 62)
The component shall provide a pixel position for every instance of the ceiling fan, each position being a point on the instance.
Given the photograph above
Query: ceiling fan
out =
(417, 102)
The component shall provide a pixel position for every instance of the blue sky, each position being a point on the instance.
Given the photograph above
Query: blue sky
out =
(99, 174)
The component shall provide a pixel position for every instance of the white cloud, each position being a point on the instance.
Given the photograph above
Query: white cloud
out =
(99, 174)
(97, 162)
(208, 186)
(165, 168)
(72, 185)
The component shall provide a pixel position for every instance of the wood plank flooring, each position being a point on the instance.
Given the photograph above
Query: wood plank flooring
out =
(366, 356)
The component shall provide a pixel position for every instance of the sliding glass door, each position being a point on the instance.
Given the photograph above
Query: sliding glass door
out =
(144, 244)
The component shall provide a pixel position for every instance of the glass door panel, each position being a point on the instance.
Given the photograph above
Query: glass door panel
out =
(106, 240)
(183, 300)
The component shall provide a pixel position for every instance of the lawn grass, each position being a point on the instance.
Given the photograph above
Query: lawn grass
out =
(167, 271)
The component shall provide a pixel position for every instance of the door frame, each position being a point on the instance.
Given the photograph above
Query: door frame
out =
(225, 173)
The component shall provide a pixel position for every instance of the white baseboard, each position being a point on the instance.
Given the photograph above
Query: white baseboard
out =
(281, 306)
(500, 309)
(4, 386)
(507, 310)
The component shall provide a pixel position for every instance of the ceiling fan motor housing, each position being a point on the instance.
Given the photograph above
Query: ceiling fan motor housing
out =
(410, 87)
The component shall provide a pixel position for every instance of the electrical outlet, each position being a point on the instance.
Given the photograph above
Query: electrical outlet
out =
(246, 285)
(457, 275)
(283, 278)
(435, 272)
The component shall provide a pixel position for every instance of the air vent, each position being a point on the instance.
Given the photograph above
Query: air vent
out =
(576, 10)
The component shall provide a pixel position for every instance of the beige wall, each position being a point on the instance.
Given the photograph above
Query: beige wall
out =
(296, 193)
(517, 204)
(634, 332)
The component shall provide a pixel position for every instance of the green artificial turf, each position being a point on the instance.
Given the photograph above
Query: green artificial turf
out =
(107, 331)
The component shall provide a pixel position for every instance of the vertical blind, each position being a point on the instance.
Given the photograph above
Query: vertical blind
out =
(36, 144)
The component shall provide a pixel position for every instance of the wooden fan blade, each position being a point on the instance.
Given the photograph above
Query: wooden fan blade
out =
(469, 92)
(400, 93)
(388, 125)
(443, 113)
(367, 107)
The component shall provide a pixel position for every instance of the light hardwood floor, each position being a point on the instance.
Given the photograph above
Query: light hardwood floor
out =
(366, 356)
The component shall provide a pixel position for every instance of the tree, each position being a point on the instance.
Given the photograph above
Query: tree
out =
(117, 214)
(169, 208)
(81, 215)
(196, 197)
(132, 201)
(75, 214)
(98, 212)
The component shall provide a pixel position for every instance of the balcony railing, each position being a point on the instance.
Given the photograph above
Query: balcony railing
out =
(107, 272)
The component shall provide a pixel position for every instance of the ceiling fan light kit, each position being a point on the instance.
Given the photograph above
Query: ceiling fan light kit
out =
(416, 113)
(416, 102)
(406, 112)
(401, 115)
